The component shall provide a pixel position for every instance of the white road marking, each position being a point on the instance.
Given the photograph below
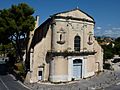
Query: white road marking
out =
(4, 84)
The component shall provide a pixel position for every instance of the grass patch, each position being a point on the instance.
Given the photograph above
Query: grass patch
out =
(19, 71)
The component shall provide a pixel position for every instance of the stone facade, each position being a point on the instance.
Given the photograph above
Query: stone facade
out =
(63, 48)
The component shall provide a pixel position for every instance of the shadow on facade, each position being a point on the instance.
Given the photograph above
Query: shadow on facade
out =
(40, 32)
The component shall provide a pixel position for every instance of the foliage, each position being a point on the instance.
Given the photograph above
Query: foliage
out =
(110, 46)
(20, 67)
(108, 51)
(107, 66)
(107, 48)
(117, 46)
(7, 49)
(15, 24)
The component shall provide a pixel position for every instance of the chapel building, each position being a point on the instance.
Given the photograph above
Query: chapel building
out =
(63, 48)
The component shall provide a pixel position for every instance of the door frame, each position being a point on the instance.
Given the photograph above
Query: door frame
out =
(79, 67)
(70, 66)
(40, 70)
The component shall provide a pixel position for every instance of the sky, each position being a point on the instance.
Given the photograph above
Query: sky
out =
(105, 12)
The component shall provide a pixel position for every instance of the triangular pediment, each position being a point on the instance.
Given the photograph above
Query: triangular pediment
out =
(75, 13)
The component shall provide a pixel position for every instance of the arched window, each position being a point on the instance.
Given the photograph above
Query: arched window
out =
(77, 43)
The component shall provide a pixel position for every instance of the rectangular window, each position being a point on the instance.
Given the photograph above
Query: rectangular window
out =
(40, 73)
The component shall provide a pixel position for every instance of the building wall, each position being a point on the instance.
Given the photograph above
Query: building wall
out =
(98, 57)
(59, 69)
(39, 59)
(72, 29)
(90, 66)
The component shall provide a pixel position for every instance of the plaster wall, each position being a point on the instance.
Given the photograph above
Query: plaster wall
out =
(59, 69)
(98, 57)
(40, 52)
(72, 28)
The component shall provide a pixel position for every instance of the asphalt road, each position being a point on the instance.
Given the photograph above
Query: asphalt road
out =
(8, 82)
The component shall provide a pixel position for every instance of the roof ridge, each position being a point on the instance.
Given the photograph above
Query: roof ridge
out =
(77, 8)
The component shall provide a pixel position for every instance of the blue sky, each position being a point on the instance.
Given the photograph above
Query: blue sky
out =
(105, 12)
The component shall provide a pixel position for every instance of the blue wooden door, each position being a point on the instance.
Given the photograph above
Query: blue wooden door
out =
(77, 69)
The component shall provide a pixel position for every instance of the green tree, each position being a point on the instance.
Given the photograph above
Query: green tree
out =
(117, 46)
(108, 51)
(15, 24)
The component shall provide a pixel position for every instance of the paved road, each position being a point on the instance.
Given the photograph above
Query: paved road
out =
(113, 87)
(108, 80)
(7, 82)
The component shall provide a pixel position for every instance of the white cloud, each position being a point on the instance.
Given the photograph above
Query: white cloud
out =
(116, 28)
(110, 31)
(98, 28)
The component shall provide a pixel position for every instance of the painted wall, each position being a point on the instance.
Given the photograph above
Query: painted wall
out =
(59, 69)
(98, 57)
(39, 58)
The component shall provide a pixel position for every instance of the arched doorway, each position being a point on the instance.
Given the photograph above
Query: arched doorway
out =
(77, 69)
